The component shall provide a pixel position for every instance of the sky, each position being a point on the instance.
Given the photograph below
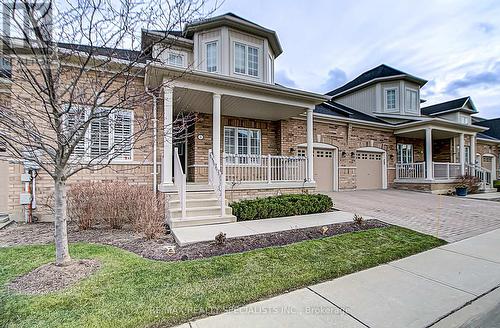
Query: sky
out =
(454, 44)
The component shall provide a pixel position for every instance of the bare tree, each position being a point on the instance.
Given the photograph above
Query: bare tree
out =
(70, 76)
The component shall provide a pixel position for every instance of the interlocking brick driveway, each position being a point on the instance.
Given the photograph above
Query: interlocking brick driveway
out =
(449, 218)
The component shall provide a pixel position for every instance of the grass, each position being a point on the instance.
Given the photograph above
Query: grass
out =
(130, 291)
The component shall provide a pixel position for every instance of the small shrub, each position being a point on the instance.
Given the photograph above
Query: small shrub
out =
(470, 182)
(323, 230)
(358, 219)
(279, 206)
(496, 184)
(116, 204)
(220, 239)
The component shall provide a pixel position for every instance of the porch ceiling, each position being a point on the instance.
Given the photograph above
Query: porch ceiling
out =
(200, 101)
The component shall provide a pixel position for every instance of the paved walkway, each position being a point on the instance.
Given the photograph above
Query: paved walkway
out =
(188, 235)
(430, 288)
(449, 218)
(494, 196)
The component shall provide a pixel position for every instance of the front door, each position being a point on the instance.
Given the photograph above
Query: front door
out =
(182, 147)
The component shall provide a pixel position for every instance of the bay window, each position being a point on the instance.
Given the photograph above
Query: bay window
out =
(246, 59)
(175, 59)
(405, 153)
(411, 100)
(391, 99)
(212, 56)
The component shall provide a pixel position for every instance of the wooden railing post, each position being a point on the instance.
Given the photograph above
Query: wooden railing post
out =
(269, 171)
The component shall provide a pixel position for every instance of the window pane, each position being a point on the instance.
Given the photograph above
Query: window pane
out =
(175, 59)
(99, 134)
(229, 140)
(391, 99)
(253, 61)
(212, 57)
(255, 142)
(75, 120)
(239, 58)
(122, 135)
(242, 141)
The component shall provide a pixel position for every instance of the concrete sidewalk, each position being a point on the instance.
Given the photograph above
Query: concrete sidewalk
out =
(418, 291)
(189, 235)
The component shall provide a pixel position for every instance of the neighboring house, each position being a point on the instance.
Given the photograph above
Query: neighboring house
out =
(260, 138)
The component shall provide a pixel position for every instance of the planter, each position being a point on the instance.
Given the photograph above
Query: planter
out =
(461, 191)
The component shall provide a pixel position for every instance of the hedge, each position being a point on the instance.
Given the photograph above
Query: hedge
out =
(279, 206)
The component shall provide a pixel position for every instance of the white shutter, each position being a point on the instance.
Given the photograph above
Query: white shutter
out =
(75, 117)
(99, 134)
(122, 134)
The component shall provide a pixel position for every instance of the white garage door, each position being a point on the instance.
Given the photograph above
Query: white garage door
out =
(368, 170)
(323, 169)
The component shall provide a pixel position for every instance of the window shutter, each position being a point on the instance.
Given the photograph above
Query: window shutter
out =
(122, 134)
(99, 134)
(75, 117)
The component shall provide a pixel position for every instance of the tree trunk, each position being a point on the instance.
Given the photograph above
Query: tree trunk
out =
(61, 227)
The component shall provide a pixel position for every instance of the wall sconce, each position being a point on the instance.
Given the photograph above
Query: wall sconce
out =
(353, 154)
(344, 154)
(391, 156)
(292, 149)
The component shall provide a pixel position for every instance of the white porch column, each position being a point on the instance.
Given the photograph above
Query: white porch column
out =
(428, 154)
(462, 154)
(473, 153)
(168, 112)
(216, 119)
(310, 133)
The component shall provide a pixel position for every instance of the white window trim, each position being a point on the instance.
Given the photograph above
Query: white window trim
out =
(391, 110)
(249, 144)
(409, 101)
(218, 63)
(259, 70)
(400, 155)
(461, 118)
(87, 138)
(175, 52)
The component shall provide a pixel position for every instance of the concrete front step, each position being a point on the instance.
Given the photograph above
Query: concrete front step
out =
(4, 217)
(200, 220)
(194, 195)
(193, 203)
(488, 190)
(199, 211)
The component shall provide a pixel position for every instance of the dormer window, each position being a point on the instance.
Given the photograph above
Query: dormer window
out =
(391, 99)
(246, 59)
(464, 119)
(212, 56)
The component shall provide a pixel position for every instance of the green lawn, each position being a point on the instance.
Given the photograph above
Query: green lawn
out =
(130, 291)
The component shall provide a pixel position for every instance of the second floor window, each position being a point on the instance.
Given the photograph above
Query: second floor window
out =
(175, 59)
(411, 100)
(246, 59)
(212, 57)
(391, 99)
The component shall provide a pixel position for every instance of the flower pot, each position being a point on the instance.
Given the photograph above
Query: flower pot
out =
(461, 191)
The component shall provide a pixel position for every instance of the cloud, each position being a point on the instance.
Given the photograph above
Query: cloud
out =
(486, 28)
(473, 79)
(283, 79)
(336, 78)
(428, 90)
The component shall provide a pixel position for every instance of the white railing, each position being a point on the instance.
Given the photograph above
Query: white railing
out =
(410, 171)
(484, 175)
(180, 182)
(265, 168)
(217, 181)
(446, 171)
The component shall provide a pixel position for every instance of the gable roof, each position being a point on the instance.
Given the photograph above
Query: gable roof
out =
(235, 21)
(448, 106)
(493, 125)
(380, 72)
(333, 108)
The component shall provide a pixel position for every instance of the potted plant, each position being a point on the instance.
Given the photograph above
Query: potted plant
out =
(496, 184)
(461, 190)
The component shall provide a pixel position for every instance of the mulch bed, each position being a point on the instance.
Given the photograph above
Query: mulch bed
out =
(51, 278)
(242, 244)
(161, 249)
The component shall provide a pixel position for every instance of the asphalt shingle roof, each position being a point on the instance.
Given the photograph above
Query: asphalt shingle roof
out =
(333, 108)
(380, 71)
(444, 106)
(124, 54)
(493, 125)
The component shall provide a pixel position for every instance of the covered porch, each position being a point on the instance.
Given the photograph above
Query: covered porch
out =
(436, 155)
(237, 134)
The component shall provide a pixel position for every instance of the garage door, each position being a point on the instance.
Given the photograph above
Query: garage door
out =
(4, 186)
(368, 170)
(323, 169)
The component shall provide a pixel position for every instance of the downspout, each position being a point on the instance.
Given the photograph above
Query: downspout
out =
(155, 135)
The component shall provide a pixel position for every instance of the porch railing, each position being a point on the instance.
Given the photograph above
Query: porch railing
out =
(484, 175)
(265, 168)
(410, 171)
(446, 171)
(217, 181)
(180, 182)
